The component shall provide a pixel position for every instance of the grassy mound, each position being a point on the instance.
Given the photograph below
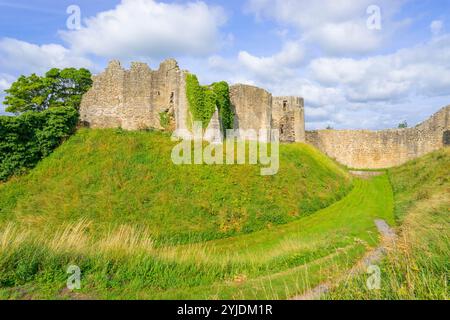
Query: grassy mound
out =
(417, 267)
(111, 179)
(275, 263)
(113, 204)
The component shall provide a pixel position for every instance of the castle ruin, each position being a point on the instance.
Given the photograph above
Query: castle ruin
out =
(136, 99)
(385, 148)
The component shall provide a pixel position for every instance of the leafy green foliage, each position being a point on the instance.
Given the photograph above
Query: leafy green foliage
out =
(222, 91)
(164, 119)
(203, 101)
(201, 104)
(403, 125)
(26, 139)
(57, 88)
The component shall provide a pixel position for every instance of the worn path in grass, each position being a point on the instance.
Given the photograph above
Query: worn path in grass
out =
(340, 235)
(275, 263)
(388, 238)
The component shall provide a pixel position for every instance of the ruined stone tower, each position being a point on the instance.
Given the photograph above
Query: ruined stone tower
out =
(138, 98)
(141, 98)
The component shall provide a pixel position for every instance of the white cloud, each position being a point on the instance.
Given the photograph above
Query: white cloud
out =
(436, 27)
(346, 37)
(308, 14)
(338, 26)
(273, 67)
(373, 93)
(23, 57)
(421, 70)
(148, 28)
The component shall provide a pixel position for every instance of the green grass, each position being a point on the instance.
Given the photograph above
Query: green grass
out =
(112, 178)
(274, 263)
(112, 203)
(417, 267)
(139, 227)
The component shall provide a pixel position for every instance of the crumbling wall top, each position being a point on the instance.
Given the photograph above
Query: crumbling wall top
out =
(114, 65)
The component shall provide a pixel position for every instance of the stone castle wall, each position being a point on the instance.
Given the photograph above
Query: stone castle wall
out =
(288, 117)
(256, 109)
(134, 99)
(386, 148)
(252, 107)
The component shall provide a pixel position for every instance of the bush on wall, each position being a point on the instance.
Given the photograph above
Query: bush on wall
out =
(203, 101)
(31, 136)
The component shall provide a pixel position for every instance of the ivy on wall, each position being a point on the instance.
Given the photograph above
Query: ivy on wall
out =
(222, 91)
(203, 101)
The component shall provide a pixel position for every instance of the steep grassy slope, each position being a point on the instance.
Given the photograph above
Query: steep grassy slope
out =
(417, 267)
(113, 204)
(275, 263)
(112, 179)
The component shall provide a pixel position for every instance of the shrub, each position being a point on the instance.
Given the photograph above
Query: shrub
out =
(26, 139)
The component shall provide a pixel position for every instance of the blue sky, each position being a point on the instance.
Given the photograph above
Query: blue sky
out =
(350, 75)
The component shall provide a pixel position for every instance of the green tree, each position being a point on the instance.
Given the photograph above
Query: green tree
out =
(32, 136)
(403, 125)
(57, 88)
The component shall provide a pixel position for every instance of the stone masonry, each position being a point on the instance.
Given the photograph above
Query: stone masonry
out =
(135, 99)
(385, 148)
(288, 117)
(255, 108)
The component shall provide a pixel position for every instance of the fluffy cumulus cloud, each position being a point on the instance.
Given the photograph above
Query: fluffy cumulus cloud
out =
(134, 29)
(22, 57)
(372, 92)
(251, 69)
(338, 26)
(273, 67)
(379, 91)
(347, 83)
(148, 28)
(421, 70)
